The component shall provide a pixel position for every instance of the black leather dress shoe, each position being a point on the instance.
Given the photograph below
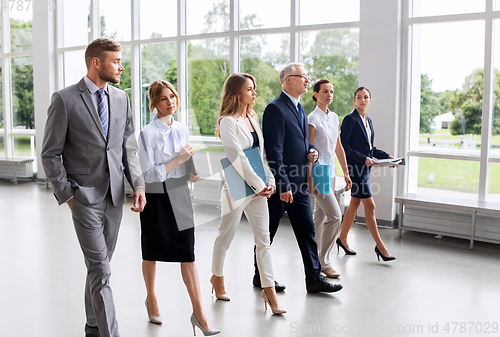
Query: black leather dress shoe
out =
(323, 287)
(278, 286)
(91, 331)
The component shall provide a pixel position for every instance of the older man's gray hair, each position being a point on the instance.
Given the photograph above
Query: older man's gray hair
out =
(288, 69)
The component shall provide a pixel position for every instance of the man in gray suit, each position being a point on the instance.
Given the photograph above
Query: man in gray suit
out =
(88, 147)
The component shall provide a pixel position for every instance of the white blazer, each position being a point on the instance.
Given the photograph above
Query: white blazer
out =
(236, 137)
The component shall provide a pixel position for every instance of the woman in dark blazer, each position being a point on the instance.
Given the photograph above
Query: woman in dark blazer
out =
(357, 137)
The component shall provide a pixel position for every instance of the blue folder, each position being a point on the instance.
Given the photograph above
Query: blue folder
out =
(321, 177)
(237, 186)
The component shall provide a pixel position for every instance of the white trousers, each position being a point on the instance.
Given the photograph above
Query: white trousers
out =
(256, 211)
(327, 218)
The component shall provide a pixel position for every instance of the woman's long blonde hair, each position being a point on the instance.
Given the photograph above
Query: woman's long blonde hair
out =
(154, 93)
(230, 101)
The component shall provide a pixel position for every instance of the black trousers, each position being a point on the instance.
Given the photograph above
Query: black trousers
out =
(299, 212)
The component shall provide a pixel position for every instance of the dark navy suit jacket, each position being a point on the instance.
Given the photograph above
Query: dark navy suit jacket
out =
(356, 146)
(286, 140)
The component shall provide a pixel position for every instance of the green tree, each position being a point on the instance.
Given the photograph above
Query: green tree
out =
(261, 65)
(445, 100)
(429, 104)
(156, 61)
(22, 74)
(470, 101)
(334, 56)
(208, 70)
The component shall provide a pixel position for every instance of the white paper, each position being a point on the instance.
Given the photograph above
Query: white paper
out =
(391, 162)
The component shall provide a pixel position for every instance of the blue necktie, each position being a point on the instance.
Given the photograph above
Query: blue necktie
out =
(102, 108)
(302, 114)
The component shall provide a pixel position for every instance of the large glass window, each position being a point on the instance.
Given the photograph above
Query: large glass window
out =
(446, 105)
(446, 7)
(208, 68)
(262, 56)
(22, 93)
(327, 11)
(208, 16)
(209, 47)
(447, 81)
(264, 14)
(75, 15)
(158, 18)
(158, 62)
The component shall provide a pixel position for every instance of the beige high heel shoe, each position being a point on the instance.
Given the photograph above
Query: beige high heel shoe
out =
(276, 310)
(153, 319)
(206, 332)
(222, 297)
(331, 273)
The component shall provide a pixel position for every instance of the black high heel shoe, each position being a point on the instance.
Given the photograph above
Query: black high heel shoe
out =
(385, 258)
(346, 251)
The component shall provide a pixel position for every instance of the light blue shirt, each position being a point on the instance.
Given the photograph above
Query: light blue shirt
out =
(293, 99)
(92, 87)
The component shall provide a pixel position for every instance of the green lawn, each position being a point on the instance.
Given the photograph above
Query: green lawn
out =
(452, 175)
(445, 135)
(22, 147)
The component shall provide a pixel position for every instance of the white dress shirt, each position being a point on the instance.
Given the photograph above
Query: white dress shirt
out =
(325, 136)
(158, 145)
(368, 130)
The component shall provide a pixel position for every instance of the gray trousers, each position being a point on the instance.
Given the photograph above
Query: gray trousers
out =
(97, 228)
(327, 218)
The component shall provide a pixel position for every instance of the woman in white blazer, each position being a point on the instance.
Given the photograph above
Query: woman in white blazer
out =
(238, 128)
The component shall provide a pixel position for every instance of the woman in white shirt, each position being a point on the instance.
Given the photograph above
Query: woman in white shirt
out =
(167, 226)
(238, 128)
(324, 134)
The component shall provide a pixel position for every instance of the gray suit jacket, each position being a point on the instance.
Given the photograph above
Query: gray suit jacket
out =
(77, 159)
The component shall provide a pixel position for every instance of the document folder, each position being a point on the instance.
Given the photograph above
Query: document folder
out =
(321, 177)
(237, 186)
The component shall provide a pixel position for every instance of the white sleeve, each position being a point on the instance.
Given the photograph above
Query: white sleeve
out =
(311, 120)
(236, 156)
(151, 171)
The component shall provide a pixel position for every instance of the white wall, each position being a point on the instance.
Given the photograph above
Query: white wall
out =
(44, 70)
(379, 70)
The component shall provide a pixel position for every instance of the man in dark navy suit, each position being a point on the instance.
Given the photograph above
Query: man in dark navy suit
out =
(288, 152)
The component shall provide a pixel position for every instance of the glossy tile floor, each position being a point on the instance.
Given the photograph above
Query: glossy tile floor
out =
(432, 284)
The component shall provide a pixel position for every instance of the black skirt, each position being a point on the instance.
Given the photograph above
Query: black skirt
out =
(167, 226)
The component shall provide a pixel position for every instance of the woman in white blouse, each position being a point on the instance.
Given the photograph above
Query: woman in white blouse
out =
(238, 128)
(324, 134)
(167, 226)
